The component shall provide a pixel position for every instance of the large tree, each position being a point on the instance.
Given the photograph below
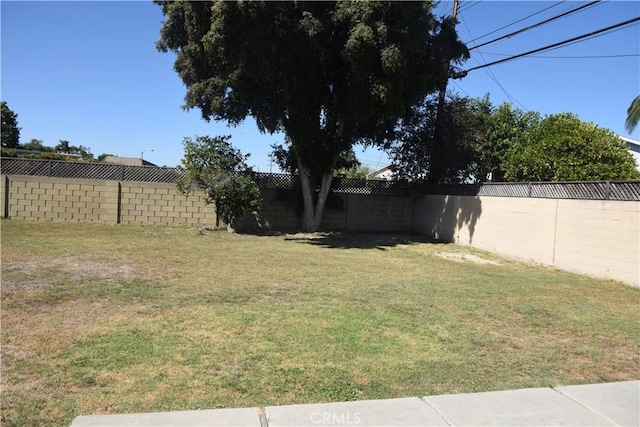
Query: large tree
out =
(497, 129)
(38, 145)
(561, 147)
(10, 129)
(327, 74)
(450, 157)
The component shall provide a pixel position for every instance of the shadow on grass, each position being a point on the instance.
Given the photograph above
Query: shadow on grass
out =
(355, 240)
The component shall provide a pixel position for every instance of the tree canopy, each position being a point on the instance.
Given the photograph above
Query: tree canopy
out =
(498, 128)
(507, 144)
(563, 148)
(65, 146)
(10, 130)
(327, 74)
(419, 155)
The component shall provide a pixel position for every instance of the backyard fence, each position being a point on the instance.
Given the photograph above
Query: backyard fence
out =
(114, 172)
(595, 190)
(86, 170)
(587, 227)
(592, 190)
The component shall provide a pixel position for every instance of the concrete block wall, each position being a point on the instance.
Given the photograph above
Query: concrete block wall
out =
(275, 214)
(600, 238)
(522, 226)
(51, 199)
(362, 212)
(109, 202)
(365, 212)
(593, 237)
(161, 204)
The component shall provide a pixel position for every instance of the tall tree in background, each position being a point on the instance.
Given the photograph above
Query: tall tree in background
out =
(498, 128)
(563, 148)
(65, 146)
(327, 74)
(633, 115)
(38, 145)
(10, 129)
(414, 155)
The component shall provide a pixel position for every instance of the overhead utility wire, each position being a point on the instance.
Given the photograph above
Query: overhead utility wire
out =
(463, 73)
(623, 55)
(515, 22)
(469, 5)
(491, 74)
(546, 21)
(615, 30)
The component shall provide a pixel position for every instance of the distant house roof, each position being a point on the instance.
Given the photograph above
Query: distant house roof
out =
(634, 147)
(128, 161)
(386, 173)
(631, 144)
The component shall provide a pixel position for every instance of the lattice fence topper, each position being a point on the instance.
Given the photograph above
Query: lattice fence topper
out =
(596, 190)
(86, 170)
(339, 185)
(587, 190)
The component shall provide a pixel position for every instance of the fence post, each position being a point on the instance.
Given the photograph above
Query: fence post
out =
(121, 172)
(529, 189)
(119, 206)
(49, 169)
(607, 190)
(7, 183)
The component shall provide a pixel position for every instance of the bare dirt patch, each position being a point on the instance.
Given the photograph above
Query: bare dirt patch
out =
(461, 257)
(36, 272)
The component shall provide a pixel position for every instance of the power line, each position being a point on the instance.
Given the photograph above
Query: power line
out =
(468, 5)
(493, 76)
(625, 55)
(595, 36)
(463, 73)
(460, 87)
(442, 8)
(515, 22)
(546, 21)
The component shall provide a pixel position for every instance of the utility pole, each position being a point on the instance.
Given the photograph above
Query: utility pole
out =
(435, 177)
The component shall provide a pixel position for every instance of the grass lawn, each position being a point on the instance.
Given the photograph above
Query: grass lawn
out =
(101, 319)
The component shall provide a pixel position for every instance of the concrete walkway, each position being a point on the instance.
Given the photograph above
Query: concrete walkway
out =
(608, 404)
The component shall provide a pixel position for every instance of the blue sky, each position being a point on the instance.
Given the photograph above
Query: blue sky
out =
(88, 72)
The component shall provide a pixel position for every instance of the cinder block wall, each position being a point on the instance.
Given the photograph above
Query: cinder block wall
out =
(276, 214)
(598, 238)
(361, 212)
(365, 212)
(161, 204)
(110, 202)
(52, 199)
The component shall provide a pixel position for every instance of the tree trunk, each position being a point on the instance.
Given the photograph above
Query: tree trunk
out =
(312, 213)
